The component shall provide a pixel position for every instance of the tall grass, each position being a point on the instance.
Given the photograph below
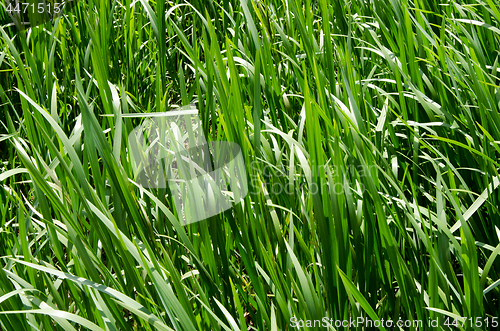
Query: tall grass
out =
(371, 133)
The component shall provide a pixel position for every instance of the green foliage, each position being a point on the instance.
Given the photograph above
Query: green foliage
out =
(371, 138)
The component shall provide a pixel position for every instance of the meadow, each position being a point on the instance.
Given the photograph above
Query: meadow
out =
(370, 133)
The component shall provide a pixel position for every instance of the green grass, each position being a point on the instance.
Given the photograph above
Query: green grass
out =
(380, 119)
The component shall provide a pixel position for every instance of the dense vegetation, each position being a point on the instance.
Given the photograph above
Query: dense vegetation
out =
(371, 138)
